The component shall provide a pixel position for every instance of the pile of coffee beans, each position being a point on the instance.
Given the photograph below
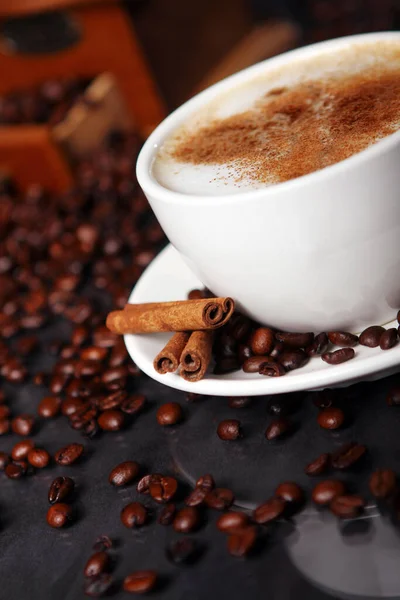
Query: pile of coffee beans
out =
(245, 344)
(46, 103)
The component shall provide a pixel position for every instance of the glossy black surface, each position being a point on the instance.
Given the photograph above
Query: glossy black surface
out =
(312, 557)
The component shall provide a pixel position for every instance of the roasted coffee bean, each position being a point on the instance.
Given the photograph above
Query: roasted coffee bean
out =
(102, 543)
(169, 413)
(14, 471)
(219, 498)
(143, 486)
(319, 345)
(318, 466)
(342, 338)
(278, 428)
(65, 367)
(111, 401)
(4, 411)
(98, 586)
(27, 345)
(93, 354)
(347, 507)
(49, 407)
(239, 402)
(104, 338)
(96, 564)
(241, 328)
(277, 350)
(382, 483)
(295, 340)
(338, 356)
(68, 454)
(61, 489)
(59, 515)
(293, 359)
(206, 482)
(140, 582)
(118, 356)
(393, 397)
(183, 551)
(111, 420)
(330, 418)
(167, 514)
(270, 368)
(226, 364)
(370, 337)
(58, 383)
(38, 457)
(253, 364)
(348, 455)
(4, 460)
(324, 398)
(133, 404)
(269, 511)
(282, 405)
(243, 353)
(79, 388)
(196, 497)
(79, 335)
(242, 541)
(186, 520)
(232, 521)
(68, 352)
(388, 339)
(224, 347)
(290, 492)
(196, 295)
(23, 424)
(69, 406)
(124, 473)
(21, 449)
(262, 341)
(14, 371)
(229, 429)
(87, 368)
(133, 515)
(163, 490)
(4, 426)
(114, 374)
(82, 416)
(325, 491)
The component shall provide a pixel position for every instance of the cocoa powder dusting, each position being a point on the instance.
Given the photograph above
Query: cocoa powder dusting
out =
(294, 131)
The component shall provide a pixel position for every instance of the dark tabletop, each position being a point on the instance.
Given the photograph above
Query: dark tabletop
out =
(40, 562)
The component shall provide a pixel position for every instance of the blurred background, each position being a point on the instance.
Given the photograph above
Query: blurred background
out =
(192, 44)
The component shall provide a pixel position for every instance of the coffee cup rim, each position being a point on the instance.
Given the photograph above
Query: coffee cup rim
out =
(154, 189)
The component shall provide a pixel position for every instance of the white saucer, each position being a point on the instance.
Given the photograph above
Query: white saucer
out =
(168, 278)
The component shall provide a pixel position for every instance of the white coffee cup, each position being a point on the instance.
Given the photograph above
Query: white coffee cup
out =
(321, 252)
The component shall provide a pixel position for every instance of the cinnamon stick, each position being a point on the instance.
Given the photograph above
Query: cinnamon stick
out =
(179, 315)
(167, 361)
(196, 356)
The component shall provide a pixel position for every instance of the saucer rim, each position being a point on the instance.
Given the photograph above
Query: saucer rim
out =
(239, 383)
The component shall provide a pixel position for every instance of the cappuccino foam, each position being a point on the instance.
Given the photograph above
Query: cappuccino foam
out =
(292, 121)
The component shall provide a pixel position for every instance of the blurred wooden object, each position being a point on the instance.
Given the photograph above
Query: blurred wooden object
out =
(27, 7)
(101, 110)
(107, 43)
(29, 155)
(124, 93)
(263, 41)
